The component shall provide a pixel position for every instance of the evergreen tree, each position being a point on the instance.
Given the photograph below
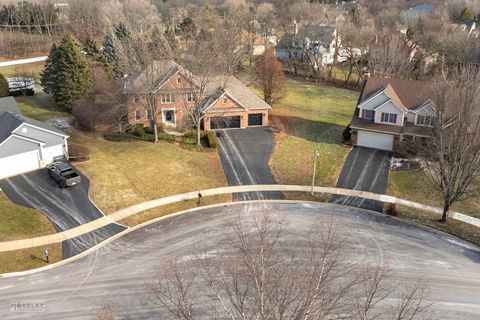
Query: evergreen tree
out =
(3, 86)
(122, 32)
(92, 49)
(466, 15)
(109, 49)
(67, 75)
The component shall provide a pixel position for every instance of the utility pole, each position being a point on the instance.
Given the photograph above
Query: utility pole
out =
(315, 155)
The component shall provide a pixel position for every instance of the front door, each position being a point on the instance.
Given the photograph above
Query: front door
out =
(168, 117)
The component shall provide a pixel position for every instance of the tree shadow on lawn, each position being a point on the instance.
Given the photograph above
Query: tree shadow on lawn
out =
(316, 131)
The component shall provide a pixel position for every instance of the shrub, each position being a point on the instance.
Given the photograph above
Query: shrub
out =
(192, 133)
(212, 139)
(392, 209)
(139, 131)
(347, 134)
(148, 130)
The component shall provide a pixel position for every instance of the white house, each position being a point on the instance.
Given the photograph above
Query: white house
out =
(27, 144)
(391, 111)
(319, 41)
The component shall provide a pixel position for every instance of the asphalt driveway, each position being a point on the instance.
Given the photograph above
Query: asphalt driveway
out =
(366, 170)
(245, 154)
(65, 208)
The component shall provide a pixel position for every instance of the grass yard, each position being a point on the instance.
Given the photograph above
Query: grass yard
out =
(130, 172)
(414, 186)
(39, 106)
(313, 116)
(26, 259)
(31, 68)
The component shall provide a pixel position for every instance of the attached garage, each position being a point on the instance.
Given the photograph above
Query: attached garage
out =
(225, 122)
(375, 140)
(255, 119)
(20, 163)
(26, 144)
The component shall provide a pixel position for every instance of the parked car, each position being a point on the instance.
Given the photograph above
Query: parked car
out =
(64, 174)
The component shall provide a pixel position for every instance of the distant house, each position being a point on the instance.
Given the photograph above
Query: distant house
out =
(391, 112)
(27, 144)
(319, 40)
(229, 103)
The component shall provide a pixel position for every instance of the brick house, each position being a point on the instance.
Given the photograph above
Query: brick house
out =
(228, 102)
(392, 112)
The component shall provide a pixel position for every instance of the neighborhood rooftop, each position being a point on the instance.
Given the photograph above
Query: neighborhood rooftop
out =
(412, 93)
(11, 118)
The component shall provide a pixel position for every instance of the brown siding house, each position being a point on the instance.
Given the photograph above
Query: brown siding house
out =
(228, 104)
(392, 112)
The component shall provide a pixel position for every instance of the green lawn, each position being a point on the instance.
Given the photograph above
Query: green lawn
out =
(39, 106)
(127, 173)
(414, 186)
(313, 116)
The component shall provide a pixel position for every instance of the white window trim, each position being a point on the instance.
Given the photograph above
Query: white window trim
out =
(137, 112)
(174, 115)
(164, 101)
(389, 114)
(372, 117)
(192, 95)
(424, 124)
(146, 115)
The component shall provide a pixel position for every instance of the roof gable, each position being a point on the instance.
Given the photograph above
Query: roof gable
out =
(409, 93)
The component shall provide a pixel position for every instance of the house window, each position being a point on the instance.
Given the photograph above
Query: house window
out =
(138, 115)
(389, 117)
(135, 99)
(179, 80)
(169, 116)
(190, 97)
(368, 114)
(424, 120)
(167, 98)
(225, 99)
(149, 114)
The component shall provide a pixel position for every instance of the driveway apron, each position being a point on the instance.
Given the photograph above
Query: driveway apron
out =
(366, 170)
(65, 208)
(245, 154)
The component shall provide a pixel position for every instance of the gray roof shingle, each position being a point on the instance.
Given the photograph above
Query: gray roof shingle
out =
(11, 118)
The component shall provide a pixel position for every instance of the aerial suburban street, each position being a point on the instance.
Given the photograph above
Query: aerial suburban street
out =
(240, 159)
(117, 272)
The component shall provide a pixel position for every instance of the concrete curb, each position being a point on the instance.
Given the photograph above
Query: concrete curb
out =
(228, 204)
(127, 212)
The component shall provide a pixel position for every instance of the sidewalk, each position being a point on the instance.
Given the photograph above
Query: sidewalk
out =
(127, 212)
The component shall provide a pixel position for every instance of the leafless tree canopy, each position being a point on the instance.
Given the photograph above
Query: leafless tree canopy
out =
(452, 151)
(259, 270)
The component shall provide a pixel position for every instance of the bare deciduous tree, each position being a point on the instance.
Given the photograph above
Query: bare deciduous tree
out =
(259, 270)
(452, 150)
(269, 75)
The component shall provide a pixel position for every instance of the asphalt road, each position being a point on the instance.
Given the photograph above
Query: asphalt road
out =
(65, 208)
(366, 170)
(117, 272)
(245, 154)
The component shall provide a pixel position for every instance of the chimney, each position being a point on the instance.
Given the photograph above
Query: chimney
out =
(295, 27)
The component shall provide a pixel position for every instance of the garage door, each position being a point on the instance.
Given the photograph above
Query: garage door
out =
(225, 122)
(21, 163)
(375, 140)
(50, 153)
(255, 119)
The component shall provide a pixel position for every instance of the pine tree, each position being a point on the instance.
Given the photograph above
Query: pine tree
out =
(122, 32)
(3, 86)
(109, 49)
(67, 75)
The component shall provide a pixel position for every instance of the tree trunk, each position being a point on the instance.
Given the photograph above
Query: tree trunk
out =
(446, 207)
(155, 130)
(198, 132)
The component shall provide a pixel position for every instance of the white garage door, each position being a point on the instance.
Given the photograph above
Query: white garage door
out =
(52, 152)
(375, 140)
(20, 163)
